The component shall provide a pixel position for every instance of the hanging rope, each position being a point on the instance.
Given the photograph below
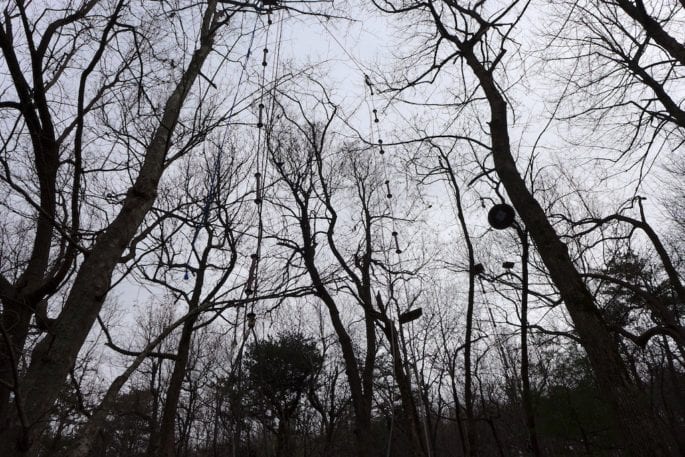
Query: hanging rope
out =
(216, 168)
(398, 252)
(394, 350)
(389, 197)
(265, 120)
(261, 158)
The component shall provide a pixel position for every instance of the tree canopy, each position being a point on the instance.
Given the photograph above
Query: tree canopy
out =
(268, 228)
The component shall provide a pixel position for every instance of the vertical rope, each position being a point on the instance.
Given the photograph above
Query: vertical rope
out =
(265, 122)
(216, 168)
(398, 251)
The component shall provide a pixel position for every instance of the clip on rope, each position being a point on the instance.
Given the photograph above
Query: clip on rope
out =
(258, 188)
(367, 81)
(397, 243)
(260, 123)
(249, 285)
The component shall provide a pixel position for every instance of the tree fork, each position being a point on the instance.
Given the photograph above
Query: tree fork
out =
(637, 423)
(56, 353)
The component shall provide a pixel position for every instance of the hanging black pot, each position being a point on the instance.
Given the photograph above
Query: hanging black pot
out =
(501, 216)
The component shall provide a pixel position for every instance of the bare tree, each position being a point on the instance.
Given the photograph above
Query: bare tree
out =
(211, 272)
(480, 38)
(627, 64)
(343, 262)
(107, 54)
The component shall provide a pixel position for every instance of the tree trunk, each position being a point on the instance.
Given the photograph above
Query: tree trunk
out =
(403, 377)
(283, 438)
(525, 375)
(361, 387)
(360, 404)
(471, 442)
(167, 442)
(16, 317)
(56, 353)
(635, 420)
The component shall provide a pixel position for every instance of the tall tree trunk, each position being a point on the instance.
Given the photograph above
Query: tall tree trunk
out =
(525, 374)
(360, 381)
(167, 442)
(14, 325)
(283, 438)
(457, 408)
(636, 422)
(361, 405)
(56, 353)
(471, 431)
(403, 378)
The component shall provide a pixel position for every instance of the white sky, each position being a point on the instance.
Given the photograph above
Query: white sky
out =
(370, 43)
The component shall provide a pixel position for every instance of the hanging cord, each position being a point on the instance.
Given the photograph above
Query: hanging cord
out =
(395, 233)
(265, 121)
(390, 206)
(381, 150)
(389, 197)
(216, 168)
(261, 162)
(419, 385)
(236, 373)
(398, 251)
(374, 121)
(251, 283)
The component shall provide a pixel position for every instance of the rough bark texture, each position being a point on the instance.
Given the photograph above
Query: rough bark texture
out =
(56, 353)
(41, 277)
(636, 422)
(167, 442)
